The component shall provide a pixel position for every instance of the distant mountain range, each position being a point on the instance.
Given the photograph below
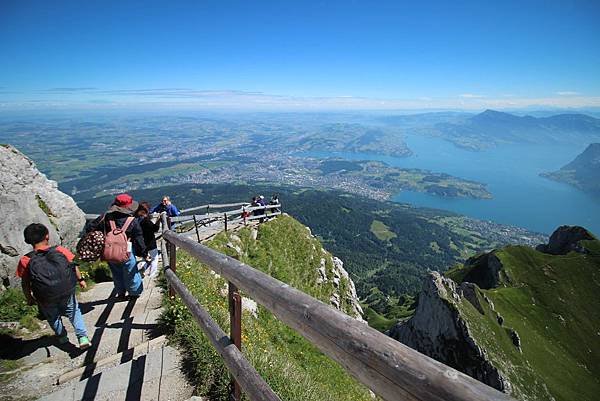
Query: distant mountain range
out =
(583, 172)
(491, 128)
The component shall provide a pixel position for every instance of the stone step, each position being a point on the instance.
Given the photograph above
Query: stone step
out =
(154, 376)
(114, 326)
(113, 360)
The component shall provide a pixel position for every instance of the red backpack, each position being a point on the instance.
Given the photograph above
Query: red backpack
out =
(116, 245)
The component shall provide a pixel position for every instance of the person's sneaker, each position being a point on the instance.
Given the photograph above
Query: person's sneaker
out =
(84, 342)
(63, 339)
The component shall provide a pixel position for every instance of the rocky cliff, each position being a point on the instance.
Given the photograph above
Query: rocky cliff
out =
(27, 196)
(522, 320)
(438, 330)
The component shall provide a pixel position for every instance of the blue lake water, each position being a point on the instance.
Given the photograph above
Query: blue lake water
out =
(520, 196)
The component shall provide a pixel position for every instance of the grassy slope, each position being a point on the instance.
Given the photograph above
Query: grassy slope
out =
(381, 231)
(552, 302)
(293, 367)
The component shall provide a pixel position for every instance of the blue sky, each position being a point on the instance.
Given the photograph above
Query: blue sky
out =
(300, 54)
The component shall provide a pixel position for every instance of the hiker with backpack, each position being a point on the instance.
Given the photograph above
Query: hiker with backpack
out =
(123, 240)
(49, 277)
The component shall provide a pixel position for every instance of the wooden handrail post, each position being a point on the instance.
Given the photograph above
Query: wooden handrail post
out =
(235, 331)
(196, 226)
(172, 249)
(225, 214)
(207, 213)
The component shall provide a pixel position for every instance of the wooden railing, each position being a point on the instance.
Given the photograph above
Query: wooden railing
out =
(242, 214)
(390, 369)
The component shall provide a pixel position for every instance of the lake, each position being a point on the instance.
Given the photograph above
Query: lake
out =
(520, 196)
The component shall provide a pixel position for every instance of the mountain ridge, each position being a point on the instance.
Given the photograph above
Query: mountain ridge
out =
(527, 318)
(583, 172)
(491, 128)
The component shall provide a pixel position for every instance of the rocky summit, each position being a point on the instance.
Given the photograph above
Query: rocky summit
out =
(27, 196)
(522, 320)
(566, 239)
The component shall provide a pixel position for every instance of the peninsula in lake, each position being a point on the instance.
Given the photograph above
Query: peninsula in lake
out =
(583, 172)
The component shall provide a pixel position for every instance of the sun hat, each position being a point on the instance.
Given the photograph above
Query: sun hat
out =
(124, 203)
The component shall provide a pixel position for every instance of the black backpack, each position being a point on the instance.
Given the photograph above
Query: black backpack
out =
(52, 276)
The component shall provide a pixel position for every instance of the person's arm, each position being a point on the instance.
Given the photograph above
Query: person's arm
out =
(23, 273)
(155, 226)
(80, 279)
(175, 211)
(26, 286)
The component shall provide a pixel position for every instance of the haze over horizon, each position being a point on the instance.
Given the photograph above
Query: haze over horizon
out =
(299, 56)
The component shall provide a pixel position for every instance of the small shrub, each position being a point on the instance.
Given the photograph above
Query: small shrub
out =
(13, 306)
(29, 322)
(96, 272)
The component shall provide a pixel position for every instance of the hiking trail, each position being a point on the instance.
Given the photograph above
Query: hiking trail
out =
(130, 358)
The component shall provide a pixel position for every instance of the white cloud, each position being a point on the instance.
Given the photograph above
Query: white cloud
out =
(186, 98)
(471, 96)
(567, 93)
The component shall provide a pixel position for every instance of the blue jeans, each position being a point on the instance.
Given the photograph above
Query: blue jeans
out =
(126, 277)
(65, 307)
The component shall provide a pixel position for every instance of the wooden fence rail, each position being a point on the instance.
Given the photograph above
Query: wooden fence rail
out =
(214, 206)
(389, 368)
(230, 213)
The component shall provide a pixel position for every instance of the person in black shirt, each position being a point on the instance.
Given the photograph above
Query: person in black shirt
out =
(149, 230)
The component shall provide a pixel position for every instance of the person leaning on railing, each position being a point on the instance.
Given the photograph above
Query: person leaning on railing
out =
(167, 207)
(274, 201)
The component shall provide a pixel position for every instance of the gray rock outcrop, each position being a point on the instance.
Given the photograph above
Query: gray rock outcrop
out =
(349, 292)
(438, 330)
(27, 196)
(485, 270)
(566, 239)
(344, 288)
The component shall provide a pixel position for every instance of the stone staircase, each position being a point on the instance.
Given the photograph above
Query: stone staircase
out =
(129, 358)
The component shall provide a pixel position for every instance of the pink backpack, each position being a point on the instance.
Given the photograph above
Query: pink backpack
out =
(116, 246)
